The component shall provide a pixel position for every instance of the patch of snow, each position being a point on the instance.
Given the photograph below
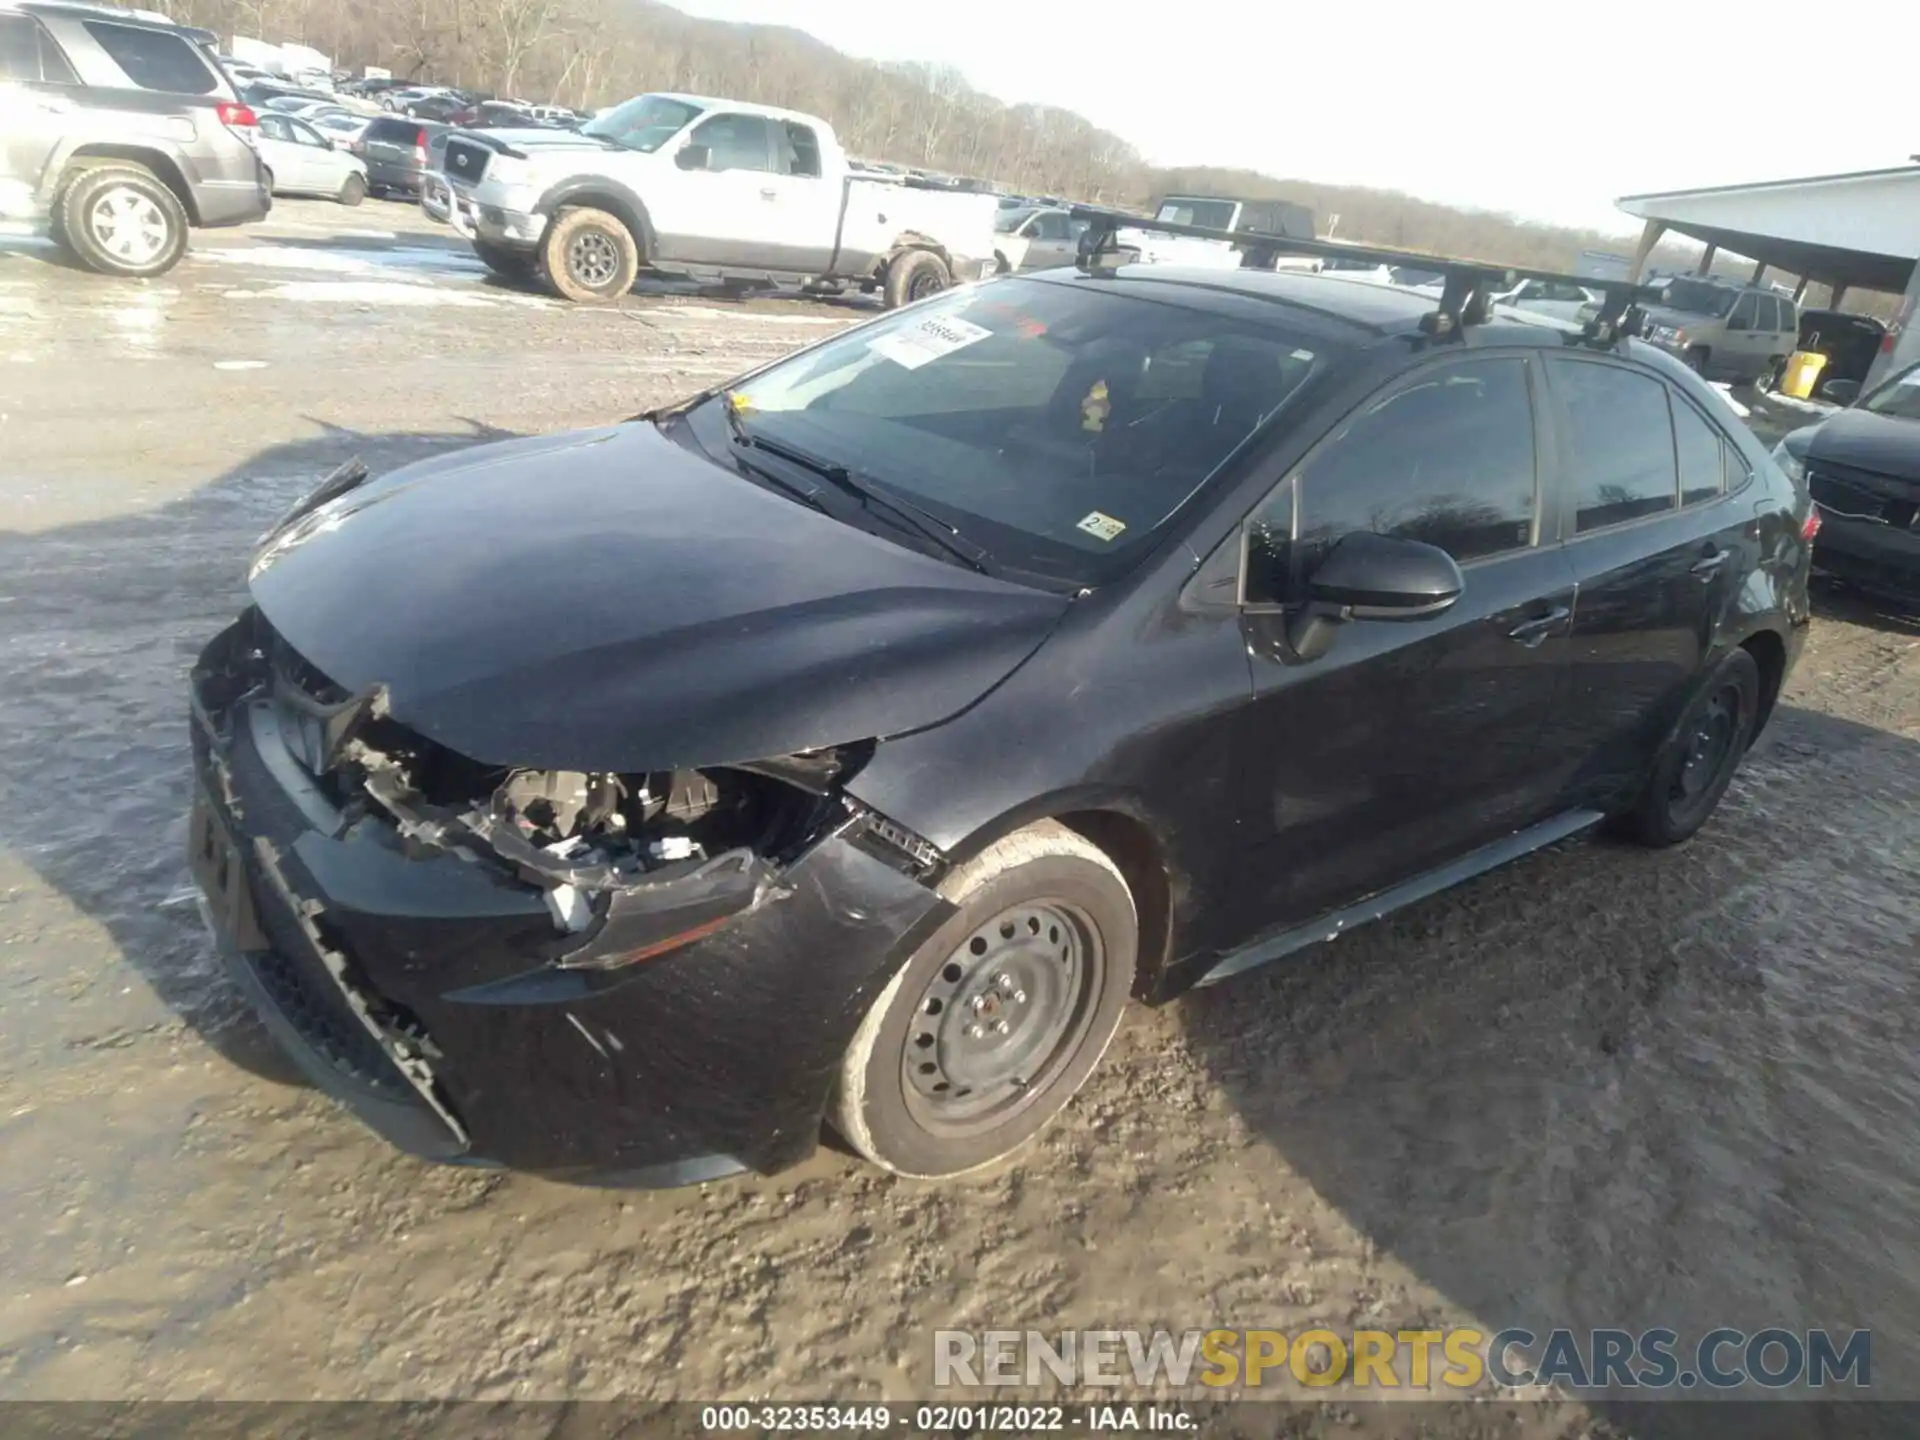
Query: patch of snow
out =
(422, 261)
(1794, 402)
(1726, 393)
(364, 292)
(706, 312)
(239, 364)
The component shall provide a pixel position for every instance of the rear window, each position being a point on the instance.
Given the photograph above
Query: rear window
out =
(395, 132)
(154, 59)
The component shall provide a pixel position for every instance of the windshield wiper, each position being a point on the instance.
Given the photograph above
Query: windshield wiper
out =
(905, 512)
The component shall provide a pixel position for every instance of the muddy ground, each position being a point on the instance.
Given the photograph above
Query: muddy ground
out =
(1601, 1088)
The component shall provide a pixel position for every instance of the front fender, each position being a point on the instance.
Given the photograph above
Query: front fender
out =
(605, 193)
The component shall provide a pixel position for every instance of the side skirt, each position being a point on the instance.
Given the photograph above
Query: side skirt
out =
(1336, 923)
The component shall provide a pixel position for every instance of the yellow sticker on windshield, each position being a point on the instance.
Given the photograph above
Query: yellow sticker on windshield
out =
(1101, 527)
(1095, 408)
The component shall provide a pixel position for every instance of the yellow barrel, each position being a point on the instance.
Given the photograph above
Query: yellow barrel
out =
(1802, 373)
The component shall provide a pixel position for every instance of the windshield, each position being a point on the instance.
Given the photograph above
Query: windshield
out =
(1697, 297)
(1402, 275)
(1056, 426)
(1213, 214)
(1899, 397)
(644, 123)
(1010, 220)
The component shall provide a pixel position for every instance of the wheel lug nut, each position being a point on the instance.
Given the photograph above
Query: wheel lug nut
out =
(1003, 980)
(974, 1032)
(1000, 1027)
(1019, 997)
(978, 1004)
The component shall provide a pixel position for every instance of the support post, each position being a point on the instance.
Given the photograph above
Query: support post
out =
(1799, 289)
(1839, 296)
(1759, 269)
(1650, 234)
(1706, 260)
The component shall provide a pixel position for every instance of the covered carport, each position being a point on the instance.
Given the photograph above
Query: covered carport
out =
(1854, 231)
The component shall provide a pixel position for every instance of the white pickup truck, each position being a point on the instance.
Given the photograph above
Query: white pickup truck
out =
(1265, 217)
(712, 190)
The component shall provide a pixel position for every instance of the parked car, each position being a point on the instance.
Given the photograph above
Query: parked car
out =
(1036, 239)
(1741, 333)
(880, 722)
(1851, 343)
(399, 99)
(344, 129)
(302, 161)
(436, 198)
(1562, 299)
(1862, 466)
(438, 108)
(396, 151)
(306, 108)
(1264, 217)
(121, 135)
(715, 189)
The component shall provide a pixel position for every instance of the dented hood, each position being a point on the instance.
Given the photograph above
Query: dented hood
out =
(607, 600)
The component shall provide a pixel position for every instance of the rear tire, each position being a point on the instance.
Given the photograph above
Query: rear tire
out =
(589, 256)
(1697, 358)
(999, 1017)
(121, 219)
(1695, 767)
(353, 190)
(915, 275)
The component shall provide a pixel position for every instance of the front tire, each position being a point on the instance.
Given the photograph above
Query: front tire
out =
(1696, 359)
(1697, 763)
(999, 1017)
(914, 276)
(122, 220)
(353, 189)
(589, 256)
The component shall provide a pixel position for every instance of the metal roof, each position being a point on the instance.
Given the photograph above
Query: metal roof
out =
(1859, 229)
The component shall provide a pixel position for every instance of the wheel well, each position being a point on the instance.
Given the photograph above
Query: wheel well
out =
(1132, 846)
(615, 206)
(160, 163)
(1769, 652)
(911, 244)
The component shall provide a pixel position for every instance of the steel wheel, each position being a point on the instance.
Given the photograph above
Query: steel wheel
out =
(1698, 760)
(1707, 746)
(593, 259)
(128, 225)
(1000, 1016)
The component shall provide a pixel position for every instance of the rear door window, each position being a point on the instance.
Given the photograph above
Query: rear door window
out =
(1743, 314)
(154, 59)
(801, 150)
(1618, 443)
(1448, 459)
(1697, 445)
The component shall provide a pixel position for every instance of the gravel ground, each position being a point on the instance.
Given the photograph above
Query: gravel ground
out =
(1602, 1087)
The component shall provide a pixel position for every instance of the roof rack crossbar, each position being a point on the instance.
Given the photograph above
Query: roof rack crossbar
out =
(1468, 286)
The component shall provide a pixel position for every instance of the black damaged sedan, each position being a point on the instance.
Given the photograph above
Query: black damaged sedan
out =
(847, 746)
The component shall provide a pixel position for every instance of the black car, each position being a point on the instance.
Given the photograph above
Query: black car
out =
(1862, 466)
(1851, 343)
(850, 743)
(396, 151)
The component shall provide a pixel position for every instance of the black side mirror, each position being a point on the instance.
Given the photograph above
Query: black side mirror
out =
(1372, 577)
(1841, 392)
(693, 157)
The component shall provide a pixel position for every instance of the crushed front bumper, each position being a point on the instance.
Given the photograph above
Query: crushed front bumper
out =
(421, 990)
(1869, 553)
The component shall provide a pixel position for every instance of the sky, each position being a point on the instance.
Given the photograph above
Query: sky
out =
(1489, 103)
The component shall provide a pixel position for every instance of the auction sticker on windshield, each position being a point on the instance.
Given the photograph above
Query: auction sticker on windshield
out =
(1101, 527)
(933, 337)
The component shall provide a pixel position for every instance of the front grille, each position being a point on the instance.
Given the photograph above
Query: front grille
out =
(1859, 495)
(467, 160)
(314, 1006)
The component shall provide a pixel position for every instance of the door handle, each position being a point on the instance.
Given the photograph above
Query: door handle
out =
(1708, 565)
(769, 194)
(1531, 632)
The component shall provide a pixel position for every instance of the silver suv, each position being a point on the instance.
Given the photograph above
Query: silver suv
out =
(1726, 332)
(118, 134)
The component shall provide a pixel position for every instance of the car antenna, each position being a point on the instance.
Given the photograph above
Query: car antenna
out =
(1467, 290)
